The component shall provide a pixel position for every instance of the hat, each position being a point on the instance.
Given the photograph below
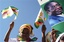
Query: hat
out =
(28, 26)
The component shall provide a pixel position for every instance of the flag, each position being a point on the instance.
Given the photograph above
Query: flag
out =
(42, 3)
(59, 26)
(15, 10)
(40, 18)
(8, 12)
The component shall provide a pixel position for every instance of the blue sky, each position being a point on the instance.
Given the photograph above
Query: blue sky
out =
(28, 11)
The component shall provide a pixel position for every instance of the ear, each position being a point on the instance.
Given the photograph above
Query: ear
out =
(42, 1)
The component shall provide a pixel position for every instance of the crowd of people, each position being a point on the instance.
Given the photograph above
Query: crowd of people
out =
(53, 9)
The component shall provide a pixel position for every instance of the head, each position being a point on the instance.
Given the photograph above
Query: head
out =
(53, 8)
(25, 30)
(53, 35)
(62, 38)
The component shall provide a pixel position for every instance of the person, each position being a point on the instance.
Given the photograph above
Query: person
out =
(53, 35)
(60, 38)
(55, 16)
(25, 31)
(50, 36)
(54, 10)
(43, 33)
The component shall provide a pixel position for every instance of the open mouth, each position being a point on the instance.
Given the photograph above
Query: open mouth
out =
(59, 10)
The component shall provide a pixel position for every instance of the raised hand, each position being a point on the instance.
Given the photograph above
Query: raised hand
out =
(11, 24)
(6, 39)
(43, 28)
(43, 33)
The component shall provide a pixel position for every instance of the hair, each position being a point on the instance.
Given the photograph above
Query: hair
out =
(62, 37)
(28, 26)
(47, 4)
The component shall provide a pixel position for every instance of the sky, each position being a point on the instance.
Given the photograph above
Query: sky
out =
(28, 11)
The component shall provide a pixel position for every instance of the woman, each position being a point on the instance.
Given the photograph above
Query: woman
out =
(24, 34)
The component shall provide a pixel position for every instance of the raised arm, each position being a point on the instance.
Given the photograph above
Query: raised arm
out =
(43, 33)
(8, 32)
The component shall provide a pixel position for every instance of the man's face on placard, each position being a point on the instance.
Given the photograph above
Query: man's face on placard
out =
(55, 8)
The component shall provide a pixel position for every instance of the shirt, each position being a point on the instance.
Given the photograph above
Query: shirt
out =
(15, 40)
(55, 19)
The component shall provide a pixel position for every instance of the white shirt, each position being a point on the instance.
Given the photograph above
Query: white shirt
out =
(14, 40)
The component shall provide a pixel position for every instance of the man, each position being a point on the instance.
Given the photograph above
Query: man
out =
(53, 14)
(53, 10)
(24, 34)
(55, 18)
